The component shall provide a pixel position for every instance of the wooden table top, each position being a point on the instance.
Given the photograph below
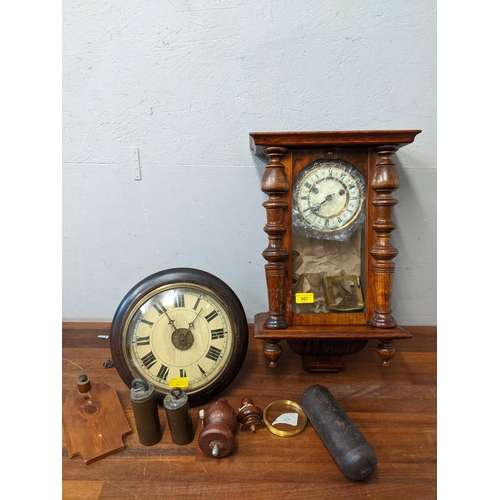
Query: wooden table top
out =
(395, 409)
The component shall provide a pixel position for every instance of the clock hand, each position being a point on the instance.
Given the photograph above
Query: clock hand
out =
(171, 321)
(328, 198)
(181, 338)
(317, 206)
(191, 325)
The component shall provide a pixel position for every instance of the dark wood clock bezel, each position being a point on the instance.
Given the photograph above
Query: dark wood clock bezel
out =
(183, 277)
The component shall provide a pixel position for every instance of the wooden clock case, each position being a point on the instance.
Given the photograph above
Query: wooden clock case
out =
(322, 339)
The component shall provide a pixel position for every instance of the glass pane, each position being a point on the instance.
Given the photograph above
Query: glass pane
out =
(330, 271)
(327, 231)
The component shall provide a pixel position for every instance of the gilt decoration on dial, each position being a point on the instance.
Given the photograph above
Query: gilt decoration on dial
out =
(328, 199)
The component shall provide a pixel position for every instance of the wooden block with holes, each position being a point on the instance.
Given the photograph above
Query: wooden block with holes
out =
(94, 422)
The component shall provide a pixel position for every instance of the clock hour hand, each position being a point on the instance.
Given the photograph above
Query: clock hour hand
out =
(171, 321)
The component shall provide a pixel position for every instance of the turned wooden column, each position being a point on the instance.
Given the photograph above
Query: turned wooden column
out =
(275, 184)
(385, 180)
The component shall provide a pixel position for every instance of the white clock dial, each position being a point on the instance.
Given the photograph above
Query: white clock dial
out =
(179, 332)
(328, 196)
(182, 328)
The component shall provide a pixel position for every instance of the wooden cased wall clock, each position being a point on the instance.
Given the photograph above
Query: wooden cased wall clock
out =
(330, 268)
(180, 327)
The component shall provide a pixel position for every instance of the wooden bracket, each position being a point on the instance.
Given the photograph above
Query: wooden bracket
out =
(94, 422)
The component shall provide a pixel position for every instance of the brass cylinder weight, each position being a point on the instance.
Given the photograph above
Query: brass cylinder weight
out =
(219, 424)
(145, 408)
(176, 405)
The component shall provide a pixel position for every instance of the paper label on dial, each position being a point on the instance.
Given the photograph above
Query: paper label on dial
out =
(287, 418)
(304, 298)
(180, 382)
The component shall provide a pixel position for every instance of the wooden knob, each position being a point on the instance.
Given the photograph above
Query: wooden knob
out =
(250, 416)
(219, 423)
(83, 384)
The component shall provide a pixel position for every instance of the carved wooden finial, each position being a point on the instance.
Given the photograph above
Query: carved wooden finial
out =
(250, 416)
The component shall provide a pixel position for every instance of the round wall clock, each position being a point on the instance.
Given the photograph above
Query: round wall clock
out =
(328, 196)
(180, 327)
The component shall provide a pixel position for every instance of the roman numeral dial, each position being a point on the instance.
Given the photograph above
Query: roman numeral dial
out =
(328, 198)
(180, 327)
(180, 334)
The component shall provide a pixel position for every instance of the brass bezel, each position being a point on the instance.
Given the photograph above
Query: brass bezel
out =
(278, 432)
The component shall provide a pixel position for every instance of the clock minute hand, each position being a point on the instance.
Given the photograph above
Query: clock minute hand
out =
(317, 206)
(191, 324)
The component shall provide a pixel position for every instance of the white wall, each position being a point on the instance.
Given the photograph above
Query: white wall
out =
(185, 82)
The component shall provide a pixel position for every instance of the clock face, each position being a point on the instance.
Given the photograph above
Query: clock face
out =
(328, 197)
(184, 330)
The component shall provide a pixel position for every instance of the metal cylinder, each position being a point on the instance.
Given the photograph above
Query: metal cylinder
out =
(179, 416)
(348, 447)
(145, 407)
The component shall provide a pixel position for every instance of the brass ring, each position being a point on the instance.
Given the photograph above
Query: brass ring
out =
(278, 432)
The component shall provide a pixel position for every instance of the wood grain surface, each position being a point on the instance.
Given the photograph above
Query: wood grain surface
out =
(395, 409)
